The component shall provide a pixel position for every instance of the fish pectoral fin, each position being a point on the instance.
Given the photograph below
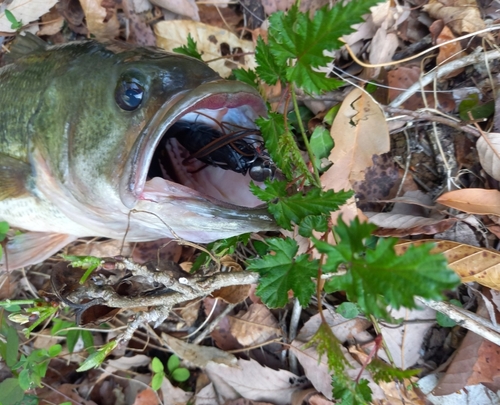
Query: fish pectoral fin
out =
(31, 248)
(14, 175)
(24, 45)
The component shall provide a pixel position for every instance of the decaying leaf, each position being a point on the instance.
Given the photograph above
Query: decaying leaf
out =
(473, 200)
(250, 380)
(255, 326)
(447, 51)
(476, 361)
(404, 342)
(469, 262)
(197, 355)
(489, 154)
(359, 131)
(213, 43)
(186, 8)
(25, 11)
(462, 16)
(101, 22)
(398, 225)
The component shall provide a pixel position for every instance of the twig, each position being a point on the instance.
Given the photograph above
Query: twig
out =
(294, 324)
(466, 319)
(443, 71)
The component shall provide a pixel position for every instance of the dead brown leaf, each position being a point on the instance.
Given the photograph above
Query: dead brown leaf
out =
(248, 379)
(359, 131)
(101, 22)
(186, 8)
(402, 78)
(255, 326)
(473, 200)
(52, 23)
(399, 225)
(146, 397)
(197, 355)
(462, 16)
(448, 51)
(213, 43)
(477, 361)
(489, 153)
(469, 262)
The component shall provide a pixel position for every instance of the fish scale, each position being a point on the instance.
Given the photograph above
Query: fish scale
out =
(79, 125)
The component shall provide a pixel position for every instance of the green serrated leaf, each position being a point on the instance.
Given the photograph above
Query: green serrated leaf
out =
(10, 391)
(190, 49)
(157, 380)
(348, 310)
(282, 147)
(351, 393)
(313, 223)
(382, 371)
(267, 69)
(288, 210)
(378, 277)
(246, 76)
(282, 271)
(299, 42)
(181, 374)
(157, 365)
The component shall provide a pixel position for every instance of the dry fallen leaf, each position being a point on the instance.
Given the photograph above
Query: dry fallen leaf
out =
(448, 51)
(399, 225)
(255, 326)
(462, 16)
(473, 200)
(359, 131)
(249, 380)
(197, 355)
(213, 43)
(25, 11)
(101, 22)
(489, 154)
(469, 262)
(476, 361)
(186, 8)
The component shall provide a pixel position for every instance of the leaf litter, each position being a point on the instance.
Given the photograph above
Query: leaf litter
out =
(429, 159)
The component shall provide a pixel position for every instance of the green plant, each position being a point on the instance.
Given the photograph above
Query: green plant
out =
(13, 20)
(4, 228)
(366, 268)
(28, 370)
(176, 373)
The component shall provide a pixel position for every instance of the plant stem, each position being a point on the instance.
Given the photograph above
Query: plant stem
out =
(304, 136)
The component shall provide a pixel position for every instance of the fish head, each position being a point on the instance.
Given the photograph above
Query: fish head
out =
(130, 98)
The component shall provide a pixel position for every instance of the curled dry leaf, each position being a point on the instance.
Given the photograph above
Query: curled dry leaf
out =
(473, 200)
(101, 22)
(462, 16)
(469, 262)
(447, 51)
(213, 43)
(25, 11)
(488, 149)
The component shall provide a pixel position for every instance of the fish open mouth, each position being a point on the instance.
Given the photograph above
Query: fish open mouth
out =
(202, 145)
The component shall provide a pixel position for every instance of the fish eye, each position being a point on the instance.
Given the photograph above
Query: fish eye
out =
(129, 94)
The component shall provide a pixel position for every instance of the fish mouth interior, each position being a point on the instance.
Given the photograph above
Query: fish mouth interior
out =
(173, 163)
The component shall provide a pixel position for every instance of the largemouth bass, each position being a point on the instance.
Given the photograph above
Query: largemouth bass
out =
(85, 148)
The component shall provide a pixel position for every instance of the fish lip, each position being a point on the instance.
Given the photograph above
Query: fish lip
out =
(211, 95)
